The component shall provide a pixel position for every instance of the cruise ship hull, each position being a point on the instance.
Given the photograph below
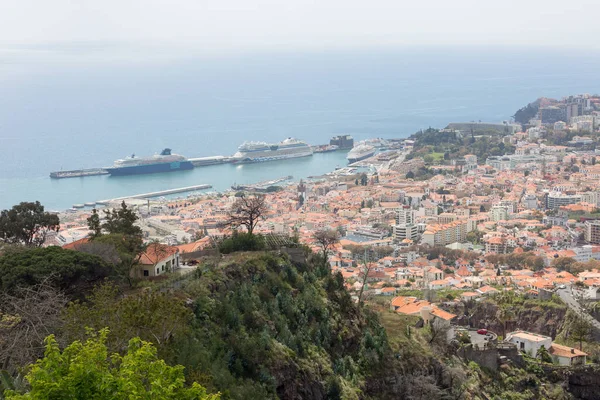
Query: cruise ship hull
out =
(250, 160)
(360, 157)
(151, 168)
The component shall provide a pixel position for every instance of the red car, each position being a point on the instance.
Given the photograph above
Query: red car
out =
(482, 331)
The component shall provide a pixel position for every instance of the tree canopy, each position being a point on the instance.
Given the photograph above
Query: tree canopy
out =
(66, 269)
(128, 249)
(327, 238)
(87, 371)
(121, 221)
(27, 223)
(156, 317)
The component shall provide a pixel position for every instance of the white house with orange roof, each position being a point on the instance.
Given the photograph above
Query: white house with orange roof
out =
(564, 355)
(487, 290)
(438, 284)
(157, 259)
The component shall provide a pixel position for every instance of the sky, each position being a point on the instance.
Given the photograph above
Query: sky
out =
(76, 27)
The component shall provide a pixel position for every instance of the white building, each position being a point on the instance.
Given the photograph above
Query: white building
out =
(583, 253)
(528, 342)
(530, 201)
(499, 213)
(405, 231)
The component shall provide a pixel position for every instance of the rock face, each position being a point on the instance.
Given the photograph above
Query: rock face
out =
(529, 316)
(582, 382)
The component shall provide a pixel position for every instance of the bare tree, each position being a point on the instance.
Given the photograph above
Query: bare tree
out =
(247, 211)
(26, 318)
(326, 238)
(366, 270)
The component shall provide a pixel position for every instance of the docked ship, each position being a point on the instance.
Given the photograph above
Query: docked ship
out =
(343, 142)
(326, 149)
(163, 162)
(253, 152)
(360, 152)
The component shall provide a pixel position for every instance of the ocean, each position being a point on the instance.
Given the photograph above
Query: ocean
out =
(84, 115)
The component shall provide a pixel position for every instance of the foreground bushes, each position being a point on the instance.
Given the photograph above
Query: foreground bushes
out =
(242, 242)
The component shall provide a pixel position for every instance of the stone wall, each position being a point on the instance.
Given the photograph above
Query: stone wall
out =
(487, 358)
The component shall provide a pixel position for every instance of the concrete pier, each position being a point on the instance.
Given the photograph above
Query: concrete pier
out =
(157, 194)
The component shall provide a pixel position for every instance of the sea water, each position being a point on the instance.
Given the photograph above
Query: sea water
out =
(85, 115)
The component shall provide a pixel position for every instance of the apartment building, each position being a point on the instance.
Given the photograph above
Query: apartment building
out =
(443, 234)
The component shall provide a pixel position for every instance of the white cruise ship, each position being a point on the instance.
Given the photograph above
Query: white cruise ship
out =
(360, 152)
(252, 152)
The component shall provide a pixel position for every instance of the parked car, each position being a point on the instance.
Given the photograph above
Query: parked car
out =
(482, 331)
(562, 287)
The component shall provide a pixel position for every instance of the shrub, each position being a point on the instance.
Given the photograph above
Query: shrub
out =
(242, 242)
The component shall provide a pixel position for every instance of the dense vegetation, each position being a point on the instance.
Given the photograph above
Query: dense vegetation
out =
(437, 147)
(524, 114)
(69, 270)
(87, 371)
(265, 328)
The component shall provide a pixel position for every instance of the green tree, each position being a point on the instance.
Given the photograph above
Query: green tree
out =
(410, 175)
(543, 355)
(67, 269)
(475, 236)
(27, 223)
(156, 317)
(94, 224)
(504, 314)
(580, 330)
(363, 179)
(326, 238)
(87, 371)
(121, 221)
(563, 263)
(129, 249)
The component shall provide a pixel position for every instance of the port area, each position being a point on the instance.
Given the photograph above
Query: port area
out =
(213, 160)
(152, 194)
(76, 173)
(196, 162)
(262, 186)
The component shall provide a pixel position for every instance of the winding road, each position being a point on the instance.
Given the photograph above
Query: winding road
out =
(567, 297)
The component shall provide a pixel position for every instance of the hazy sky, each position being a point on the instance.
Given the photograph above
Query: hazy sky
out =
(233, 25)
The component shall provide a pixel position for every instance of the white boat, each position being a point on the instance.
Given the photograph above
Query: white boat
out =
(252, 152)
(360, 152)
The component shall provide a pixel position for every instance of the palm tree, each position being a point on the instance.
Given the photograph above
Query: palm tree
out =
(503, 315)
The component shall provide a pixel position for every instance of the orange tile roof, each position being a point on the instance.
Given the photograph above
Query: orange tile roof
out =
(438, 312)
(156, 252)
(564, 351)
(75, 245)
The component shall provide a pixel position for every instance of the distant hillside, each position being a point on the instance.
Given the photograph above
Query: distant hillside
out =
(524, 114)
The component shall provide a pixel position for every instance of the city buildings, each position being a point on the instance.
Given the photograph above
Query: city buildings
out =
(443, 234)
(592, 231)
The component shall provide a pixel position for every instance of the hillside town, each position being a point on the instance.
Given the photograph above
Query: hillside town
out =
(426, 217)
